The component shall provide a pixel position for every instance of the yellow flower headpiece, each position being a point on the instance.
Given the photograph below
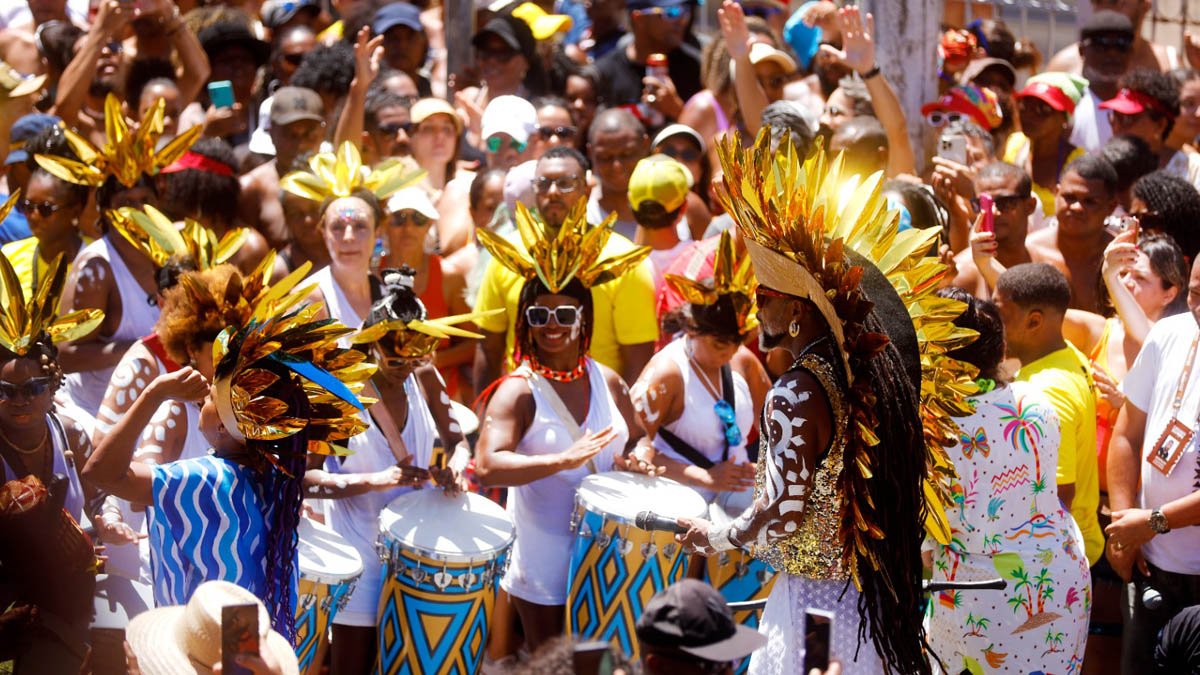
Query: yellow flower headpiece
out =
(573, 254)
(411, 337)
(281, 338)
(127, 155)
(21, 321)
(730, 277)
(154, 234)
(338, 175)
(799, 220)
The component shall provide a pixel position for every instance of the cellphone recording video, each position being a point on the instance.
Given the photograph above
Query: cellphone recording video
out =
(239, 636)
(818, 631)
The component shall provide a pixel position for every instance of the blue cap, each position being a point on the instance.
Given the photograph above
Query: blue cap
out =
(396, 14)
(23, 129)
(804, 40)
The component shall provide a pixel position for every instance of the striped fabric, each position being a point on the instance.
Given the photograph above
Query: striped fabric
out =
(207, 522)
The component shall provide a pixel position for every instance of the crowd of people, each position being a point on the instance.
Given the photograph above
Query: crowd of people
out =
(267, 269)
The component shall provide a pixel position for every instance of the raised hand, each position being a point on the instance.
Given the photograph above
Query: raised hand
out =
(1120, 254)
(368, 52)
(858, 40)
(983, 244)
(185, 384)
(733, 29)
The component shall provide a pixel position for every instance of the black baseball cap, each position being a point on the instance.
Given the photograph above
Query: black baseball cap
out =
(514, 32)
(1104, 22)
(221, 34)
(692, 616)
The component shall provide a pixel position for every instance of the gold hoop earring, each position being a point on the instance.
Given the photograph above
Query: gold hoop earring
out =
(793, 329)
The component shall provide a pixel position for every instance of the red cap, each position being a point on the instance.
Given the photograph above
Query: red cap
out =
(1130, 102)
(1050, 95)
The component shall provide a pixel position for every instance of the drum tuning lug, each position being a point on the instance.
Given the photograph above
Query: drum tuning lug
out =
(724, 559)
(626, 546)
(670, 550)
(419, 575)
(576, 517)
(442, 580)
(468, 580)
(326, 603)
(603, 539)
(649, 549)
(742, 568)
(762, 576)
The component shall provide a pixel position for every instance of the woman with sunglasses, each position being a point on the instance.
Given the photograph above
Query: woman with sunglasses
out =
(508, 64)
(53, 207)
(393, 455)
(555, 125)
(697, 408)
(559, 417)
(412, 215)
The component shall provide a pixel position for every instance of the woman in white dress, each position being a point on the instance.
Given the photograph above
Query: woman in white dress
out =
(558, 418)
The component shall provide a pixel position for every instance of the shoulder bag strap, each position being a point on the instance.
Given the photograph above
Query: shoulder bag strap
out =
(727, 394)
(560, 409)
(685, 449)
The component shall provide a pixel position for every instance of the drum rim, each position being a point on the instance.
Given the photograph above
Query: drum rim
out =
(330, 580)
(593, 508)
(483, 556)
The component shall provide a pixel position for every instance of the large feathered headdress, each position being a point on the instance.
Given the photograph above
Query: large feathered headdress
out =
(574, 253)
(281, 338)
(154, 234)
(731, 278)
(340, 174)
(23, 321)
(408, 333)
(127, 155)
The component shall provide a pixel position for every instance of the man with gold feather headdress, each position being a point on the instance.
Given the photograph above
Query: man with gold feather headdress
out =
(282, 388)
(851, 301)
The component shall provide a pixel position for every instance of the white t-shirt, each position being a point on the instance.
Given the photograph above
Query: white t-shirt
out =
(1185, 165)
(1091, 130)
(1150, 385)
(661, 260)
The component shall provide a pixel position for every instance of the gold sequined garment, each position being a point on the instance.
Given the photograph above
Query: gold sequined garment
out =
(815, 549)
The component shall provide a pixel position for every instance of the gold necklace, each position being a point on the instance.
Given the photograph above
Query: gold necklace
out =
(23, 451)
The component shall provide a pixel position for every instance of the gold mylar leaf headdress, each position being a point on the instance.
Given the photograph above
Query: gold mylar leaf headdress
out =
(338, 175)
(126, 155)
(731, 277)
(574, 253)
(406, 330)
(799, 219)
(282, 348)
(154, 234)
(21, 321)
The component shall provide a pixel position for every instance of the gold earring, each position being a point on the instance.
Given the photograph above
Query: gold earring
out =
(793, 329)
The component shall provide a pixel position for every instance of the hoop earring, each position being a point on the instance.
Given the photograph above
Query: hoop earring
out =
(793, 329)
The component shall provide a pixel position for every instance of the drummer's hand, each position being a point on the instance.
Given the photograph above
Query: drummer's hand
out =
(447, 479)
(113, 530)
(695, 540)
(586, 448)
(636, 464)
(400, 475)
(730, 477)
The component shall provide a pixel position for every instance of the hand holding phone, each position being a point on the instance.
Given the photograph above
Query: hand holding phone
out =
(818, 633)
(220, 93)
(986, 207)
(239, 636)
(953, 147)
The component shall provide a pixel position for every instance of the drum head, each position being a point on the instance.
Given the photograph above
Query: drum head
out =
(464, 527)
(325, 556)
(622, 495)
(729, 505)
(119, 599)
(467, 420)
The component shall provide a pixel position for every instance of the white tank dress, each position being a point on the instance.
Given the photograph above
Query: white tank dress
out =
(541, 510)
(74, 500)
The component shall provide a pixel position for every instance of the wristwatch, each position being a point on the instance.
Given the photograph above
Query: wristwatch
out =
(1158, 522)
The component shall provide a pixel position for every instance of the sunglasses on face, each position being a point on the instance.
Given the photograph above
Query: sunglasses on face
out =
(687, 155)
(564, 315)
(393, 129)
(668, 13)
(410, 217)
(550, 132)
(495, 143)
(566, 185)
(500, 55)
(1114, 42)
(1002, 202)
(43, 209)
(31, 388)
(937, 118)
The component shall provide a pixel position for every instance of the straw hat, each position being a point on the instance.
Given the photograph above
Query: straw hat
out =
(187, 639)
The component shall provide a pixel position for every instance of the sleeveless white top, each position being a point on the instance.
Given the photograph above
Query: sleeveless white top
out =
(58, 447)
(336, 303)
(357, 518)
(541, 510)
(86, 389)
(698, 425)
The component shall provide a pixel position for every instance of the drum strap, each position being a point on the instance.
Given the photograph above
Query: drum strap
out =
(684, 448)
(556, 404)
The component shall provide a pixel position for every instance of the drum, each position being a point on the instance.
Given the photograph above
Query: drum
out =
(617, 567)
(443, 558)
(737, 575)
(329, 566)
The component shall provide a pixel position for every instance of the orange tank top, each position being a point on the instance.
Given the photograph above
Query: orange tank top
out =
(1106, 415)
(436, 307)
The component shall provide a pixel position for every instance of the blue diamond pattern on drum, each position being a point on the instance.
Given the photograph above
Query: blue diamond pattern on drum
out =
(306, 634)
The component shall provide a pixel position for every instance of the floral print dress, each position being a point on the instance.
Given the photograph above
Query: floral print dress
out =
(1008, 522)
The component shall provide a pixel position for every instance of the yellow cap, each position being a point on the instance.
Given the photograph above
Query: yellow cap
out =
(543, 25)
(661, 179)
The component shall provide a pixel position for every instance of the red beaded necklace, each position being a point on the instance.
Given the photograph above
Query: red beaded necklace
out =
(559, 375)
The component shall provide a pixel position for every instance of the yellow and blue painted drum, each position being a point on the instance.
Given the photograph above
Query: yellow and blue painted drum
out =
(443, 558)
(616, 567)
(738, 576)
(329, 566)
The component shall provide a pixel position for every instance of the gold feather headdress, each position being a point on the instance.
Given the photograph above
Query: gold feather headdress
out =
(281, 338)
(411, 338)
(730, 277)
(574, 253)
(21, 321)
(127, 155)
(154, 234)
(799, 220)
(338, 175)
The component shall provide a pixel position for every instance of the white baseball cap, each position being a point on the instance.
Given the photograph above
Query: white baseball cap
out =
(510, 115)
(414, 198)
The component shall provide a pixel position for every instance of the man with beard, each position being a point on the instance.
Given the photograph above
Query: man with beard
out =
(1106, 46)
(560, 186)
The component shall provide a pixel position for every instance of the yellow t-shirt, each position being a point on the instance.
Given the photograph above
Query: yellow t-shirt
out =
(22, 255)
(631, 297)
(1016, 151)
(1066, 381)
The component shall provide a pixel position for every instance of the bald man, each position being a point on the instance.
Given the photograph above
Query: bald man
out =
(616, 142)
